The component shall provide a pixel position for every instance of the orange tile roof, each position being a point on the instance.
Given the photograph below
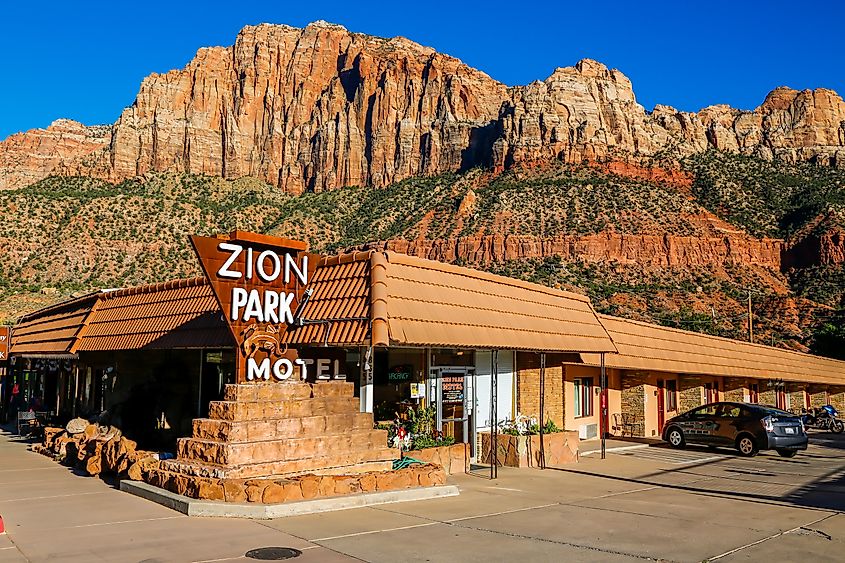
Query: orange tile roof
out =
(416, 302)
(440, 305)
(644, 346)
(340, 303)
(177, 314)
(53, 330)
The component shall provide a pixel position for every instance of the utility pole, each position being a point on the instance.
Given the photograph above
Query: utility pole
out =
(750, 320)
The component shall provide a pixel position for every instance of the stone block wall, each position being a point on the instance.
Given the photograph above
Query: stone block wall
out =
(734, 389)
(633, 398)
(818, 395)
(766, 396)
(271, 429)
(797, 400)
(837, 399)
(453, 459)
(690, 392)
(528, 387)
(301, 487)
(524, 451)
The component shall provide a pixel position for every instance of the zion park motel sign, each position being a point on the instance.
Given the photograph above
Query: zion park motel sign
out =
(259, 282)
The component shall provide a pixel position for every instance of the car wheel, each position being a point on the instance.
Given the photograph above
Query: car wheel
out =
(836, 426)
(746, 445)
(787, 453)
(676, 438)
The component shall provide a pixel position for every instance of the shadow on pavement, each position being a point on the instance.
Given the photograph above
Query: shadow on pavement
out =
(823, 492)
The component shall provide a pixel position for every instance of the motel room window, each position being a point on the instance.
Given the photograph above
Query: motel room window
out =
(583, 396)
(671, 395)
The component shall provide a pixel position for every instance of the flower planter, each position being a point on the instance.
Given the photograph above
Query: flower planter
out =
(524, 451)
(453, 459)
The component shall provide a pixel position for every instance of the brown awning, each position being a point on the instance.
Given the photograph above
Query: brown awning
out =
(176, 314)
(649, 347)
(411, 301)
(54, 330)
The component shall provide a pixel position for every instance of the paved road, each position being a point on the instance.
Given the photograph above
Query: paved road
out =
(642, 504)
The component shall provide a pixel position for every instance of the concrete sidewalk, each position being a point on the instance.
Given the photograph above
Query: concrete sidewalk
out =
(51, 514)
(642, 504)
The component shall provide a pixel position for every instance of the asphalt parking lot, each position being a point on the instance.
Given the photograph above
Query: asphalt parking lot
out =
(649, 503)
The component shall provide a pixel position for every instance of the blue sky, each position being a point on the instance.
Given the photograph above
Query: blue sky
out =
(85, 60)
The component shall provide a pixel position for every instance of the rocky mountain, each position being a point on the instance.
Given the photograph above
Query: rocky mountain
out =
(28, 157)
(645, 245)
(321, 108)
(348, 140)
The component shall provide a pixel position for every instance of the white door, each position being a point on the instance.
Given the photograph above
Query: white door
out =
(504, 389)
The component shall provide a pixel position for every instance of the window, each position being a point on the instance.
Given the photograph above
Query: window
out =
(705, 411)
(583, 396)
(731, 411)
(753, 393)
(671, 395)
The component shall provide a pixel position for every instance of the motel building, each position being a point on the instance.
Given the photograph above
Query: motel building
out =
(404, 330)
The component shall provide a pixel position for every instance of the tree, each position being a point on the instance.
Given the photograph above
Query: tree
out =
(829, 336)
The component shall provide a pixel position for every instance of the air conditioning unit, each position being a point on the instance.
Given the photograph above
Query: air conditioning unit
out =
(587, 431)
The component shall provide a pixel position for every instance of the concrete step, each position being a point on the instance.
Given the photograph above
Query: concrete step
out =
(230, 454)
(357, 462)
(276, 410)
(286, 390)
(253, 430)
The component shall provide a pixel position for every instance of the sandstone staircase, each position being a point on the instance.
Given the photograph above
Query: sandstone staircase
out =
(272, 429)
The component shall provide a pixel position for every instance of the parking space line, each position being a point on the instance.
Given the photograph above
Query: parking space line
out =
(502, 512)
(53, 496)
(435, 522)
(616, 449)
(368, 532)
(701, 460)
(124, 522)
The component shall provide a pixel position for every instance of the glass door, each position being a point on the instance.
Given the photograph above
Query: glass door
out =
(454, 404)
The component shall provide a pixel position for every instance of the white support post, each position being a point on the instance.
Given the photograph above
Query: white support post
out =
(367, 380)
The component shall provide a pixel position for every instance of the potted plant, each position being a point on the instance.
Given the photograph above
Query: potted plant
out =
(418, 437)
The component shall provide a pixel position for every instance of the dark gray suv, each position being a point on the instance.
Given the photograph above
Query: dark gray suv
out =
(747, 427)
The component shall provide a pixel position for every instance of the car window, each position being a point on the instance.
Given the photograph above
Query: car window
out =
(707, 410)
(731, 411)
(774, 411)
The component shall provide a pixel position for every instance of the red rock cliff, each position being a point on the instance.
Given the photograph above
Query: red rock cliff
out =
(28, 157)
(321, 107)
(648, 250)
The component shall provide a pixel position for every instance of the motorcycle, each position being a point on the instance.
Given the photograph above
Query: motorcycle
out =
(825, 418)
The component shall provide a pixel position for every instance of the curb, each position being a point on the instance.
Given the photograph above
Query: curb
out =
(222, 509)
